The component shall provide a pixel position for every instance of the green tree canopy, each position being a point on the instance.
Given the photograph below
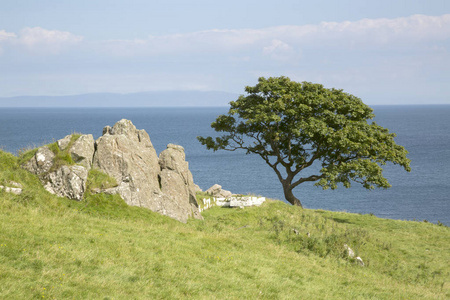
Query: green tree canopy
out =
(293, 125)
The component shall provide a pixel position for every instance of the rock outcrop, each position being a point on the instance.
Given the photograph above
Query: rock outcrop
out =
(127, 154)
(164, 185)
(64, 181)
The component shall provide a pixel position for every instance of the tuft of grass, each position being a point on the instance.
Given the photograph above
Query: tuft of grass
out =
(62, 157)
(26, 154)
(98, 180)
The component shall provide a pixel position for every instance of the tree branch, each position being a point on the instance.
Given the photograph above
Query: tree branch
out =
(310, 178)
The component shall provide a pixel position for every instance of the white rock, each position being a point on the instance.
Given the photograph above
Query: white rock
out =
(7, 189)
(349, 250)
(359, 260)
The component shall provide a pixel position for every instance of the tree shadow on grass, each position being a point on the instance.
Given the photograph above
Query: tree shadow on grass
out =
(339, 220)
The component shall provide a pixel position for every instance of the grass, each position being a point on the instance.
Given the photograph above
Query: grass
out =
(100, 248)
(97, 180)
(203, 195)
(62, 157)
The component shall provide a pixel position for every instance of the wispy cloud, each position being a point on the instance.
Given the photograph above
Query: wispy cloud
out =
(39, 40)
(5, 37)
(405, 56)
(285, 39)
(278, 42)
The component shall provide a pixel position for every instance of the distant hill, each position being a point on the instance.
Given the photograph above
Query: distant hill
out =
(144, 99)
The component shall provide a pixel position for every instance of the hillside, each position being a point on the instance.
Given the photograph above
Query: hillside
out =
(100, 248)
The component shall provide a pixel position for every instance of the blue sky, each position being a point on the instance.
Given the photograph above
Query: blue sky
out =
(385, 52)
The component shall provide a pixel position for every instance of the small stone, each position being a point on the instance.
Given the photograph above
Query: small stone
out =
(7, 189)
(349, 250)
(15, 184)
(359, 260)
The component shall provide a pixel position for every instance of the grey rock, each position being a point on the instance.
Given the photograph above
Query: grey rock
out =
(128, 155)
(67, 181)
(217, 191)
(82, 150)
(176, 194)
(64, 142)
(41, 162)
(174, 159)
(177, 182)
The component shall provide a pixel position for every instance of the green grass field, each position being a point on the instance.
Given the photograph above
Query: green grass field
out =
(100, 248)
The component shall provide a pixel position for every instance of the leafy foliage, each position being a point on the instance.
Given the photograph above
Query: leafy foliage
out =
(293, 125)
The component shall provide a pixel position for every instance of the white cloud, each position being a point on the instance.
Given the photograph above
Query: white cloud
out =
(279, 50)
(41, 40)
(5, 37)
(358, 34)
(279, 41)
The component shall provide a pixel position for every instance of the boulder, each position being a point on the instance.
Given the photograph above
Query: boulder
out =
(174, 159)
(67, 181)
(64, 142)
(177, 181)
(82, 150)
(217, 191)
(41, 162)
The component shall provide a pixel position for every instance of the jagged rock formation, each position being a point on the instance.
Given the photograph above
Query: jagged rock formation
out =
(164, 185)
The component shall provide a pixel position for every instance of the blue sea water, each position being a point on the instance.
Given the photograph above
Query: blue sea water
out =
(424, 131)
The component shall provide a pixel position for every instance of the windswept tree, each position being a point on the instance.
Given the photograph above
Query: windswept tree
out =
(293, 126)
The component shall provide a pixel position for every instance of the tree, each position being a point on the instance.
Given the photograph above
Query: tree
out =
(293, 126)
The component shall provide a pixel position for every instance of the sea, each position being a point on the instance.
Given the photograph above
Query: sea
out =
(422, 194)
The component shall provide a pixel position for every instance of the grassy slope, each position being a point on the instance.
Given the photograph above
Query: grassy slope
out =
(102, 249)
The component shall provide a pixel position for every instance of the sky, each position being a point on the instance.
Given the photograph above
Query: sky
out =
(385, 52)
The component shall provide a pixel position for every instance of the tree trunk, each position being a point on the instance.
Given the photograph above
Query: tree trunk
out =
(290, 196)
